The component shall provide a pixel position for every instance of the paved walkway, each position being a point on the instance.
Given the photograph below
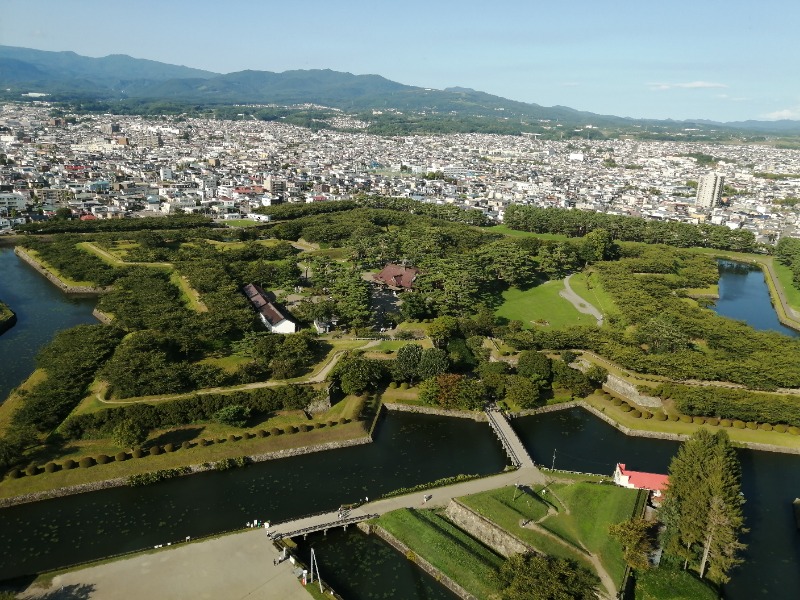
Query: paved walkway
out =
(581, 305)
(237, 565)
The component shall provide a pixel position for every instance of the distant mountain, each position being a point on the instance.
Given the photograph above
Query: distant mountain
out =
(67, 75)
(23, 65)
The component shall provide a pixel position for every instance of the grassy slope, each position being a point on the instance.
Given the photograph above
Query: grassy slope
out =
(505, 230)
(446, 547)
(541, 303)
(669, 584)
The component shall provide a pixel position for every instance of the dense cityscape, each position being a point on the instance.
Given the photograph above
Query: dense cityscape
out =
(108, 166)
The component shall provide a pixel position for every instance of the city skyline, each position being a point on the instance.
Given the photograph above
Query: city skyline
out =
(713, 60)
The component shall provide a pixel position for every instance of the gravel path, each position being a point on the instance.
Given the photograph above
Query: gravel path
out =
(579, 303)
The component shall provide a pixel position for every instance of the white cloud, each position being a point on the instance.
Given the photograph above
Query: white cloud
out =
(786, 113)
(689, 85)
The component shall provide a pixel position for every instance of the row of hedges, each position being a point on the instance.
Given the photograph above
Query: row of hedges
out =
(187, 410)
(733, 404)
(102, 459)
(638, 413)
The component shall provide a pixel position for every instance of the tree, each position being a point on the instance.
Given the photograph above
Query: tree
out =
(406, 363)
(235, 415)
(636, 537)
(536, 577)
(442, 329)
(432, 362)
(702, 510)
(534, 365)
(359, 374)
(129, 433)
(521, 391)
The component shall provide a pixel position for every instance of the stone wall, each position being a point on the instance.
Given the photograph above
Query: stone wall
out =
(442, 412)
(418, 560)
(500, 540)
(617, 385)
(200, 468)
(104, 318)
(67, 289)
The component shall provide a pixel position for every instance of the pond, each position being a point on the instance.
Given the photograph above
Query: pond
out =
(744, 295)
(42, 310)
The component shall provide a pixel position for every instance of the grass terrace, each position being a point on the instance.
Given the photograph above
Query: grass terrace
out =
(505, 230)
(446, 547)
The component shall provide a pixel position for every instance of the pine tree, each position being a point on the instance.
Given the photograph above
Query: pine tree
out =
(702, 510)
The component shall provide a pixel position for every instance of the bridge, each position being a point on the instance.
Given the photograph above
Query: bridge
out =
(508, 438)
(318, 522)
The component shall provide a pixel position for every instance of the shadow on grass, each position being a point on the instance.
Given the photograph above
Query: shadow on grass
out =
(176, 437)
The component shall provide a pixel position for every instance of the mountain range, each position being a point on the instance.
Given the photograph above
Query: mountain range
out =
(69, 76)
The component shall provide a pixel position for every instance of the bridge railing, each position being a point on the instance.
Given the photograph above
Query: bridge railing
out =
(326, 525)
(512, 455)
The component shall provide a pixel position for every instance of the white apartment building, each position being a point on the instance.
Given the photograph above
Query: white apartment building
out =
(709, 190)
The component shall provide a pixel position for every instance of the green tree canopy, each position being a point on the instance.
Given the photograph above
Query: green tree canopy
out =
(535, 577)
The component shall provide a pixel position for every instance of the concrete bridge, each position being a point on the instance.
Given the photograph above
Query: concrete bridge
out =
(508, 437)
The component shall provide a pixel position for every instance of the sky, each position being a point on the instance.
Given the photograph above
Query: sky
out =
(724, 60)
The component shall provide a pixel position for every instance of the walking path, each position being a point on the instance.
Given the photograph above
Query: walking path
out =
(580, 304)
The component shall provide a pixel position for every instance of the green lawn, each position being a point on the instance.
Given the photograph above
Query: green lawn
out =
(593, 508)
(587, 285)
(541, 306)
(456, 554)
(785, 277)
(664, 583)
(505, 230)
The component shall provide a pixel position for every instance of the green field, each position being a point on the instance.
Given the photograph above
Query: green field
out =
(587, 285)
(664, 583)
(505, 230)
(785, 277)
(541, 306)
(446, 547)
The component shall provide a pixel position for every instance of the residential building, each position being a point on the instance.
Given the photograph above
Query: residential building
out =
(709, 190)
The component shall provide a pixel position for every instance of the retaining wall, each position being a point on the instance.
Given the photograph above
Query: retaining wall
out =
(67, 289)
(442, 412)
(500, 540)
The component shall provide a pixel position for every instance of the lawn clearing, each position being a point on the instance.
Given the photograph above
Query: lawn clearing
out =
(541, 306)
(785, 278)
(587, 285)
(665, 583)
(456, 554)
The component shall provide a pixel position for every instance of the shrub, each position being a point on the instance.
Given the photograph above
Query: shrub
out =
(660, 416)
(303, 428)
(169, 447)
(780, 428)
(725, 423)
(616, 401)
(752, 425)
(686, 419)
(647, 415)
(275, 431)
(103, 459)
(262, 434)
(290, 429)
(32, 470)
(713, 421)
(674, 418)
(343, 421)
(233, 438)
(636, 414)
(404, 386)
(202, 442)
(121, 456)
(247, 435)
(13, 474)
(137, 453)
(318, 425)
(794, 430)
(86, 462)
(392, 385)
(186, 444)
(50, 467)
(331, 423)
(218, 440)
(155, 450)
(68, 464)
(698, 420)
(738, 424)
(765, 427)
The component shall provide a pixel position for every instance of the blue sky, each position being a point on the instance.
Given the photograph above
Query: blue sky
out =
(712, 59)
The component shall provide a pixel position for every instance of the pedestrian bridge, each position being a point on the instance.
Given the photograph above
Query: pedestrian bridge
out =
(513, 446)
(318, 522)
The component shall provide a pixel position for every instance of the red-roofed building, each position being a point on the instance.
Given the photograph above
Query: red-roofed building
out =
(271, 316)
(639, 480)
(397, 277)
